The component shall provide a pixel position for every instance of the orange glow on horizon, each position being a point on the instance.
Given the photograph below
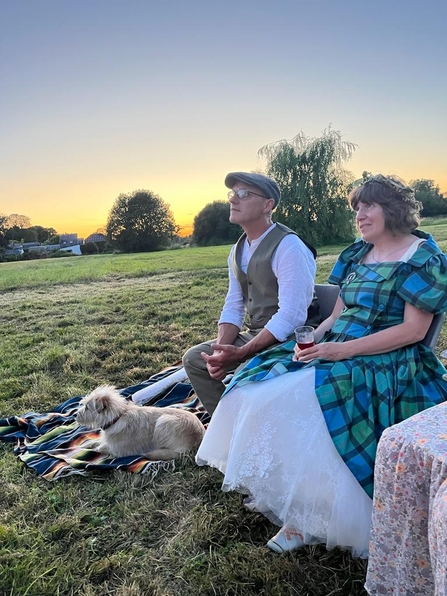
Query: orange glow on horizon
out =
(85, 207)
(186, 230)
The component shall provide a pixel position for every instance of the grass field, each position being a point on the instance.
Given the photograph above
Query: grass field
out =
(71, 324)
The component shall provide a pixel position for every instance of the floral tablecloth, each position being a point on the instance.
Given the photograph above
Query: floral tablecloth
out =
(408, 550)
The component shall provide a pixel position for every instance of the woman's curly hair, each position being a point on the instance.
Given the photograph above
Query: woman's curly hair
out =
(397, 200)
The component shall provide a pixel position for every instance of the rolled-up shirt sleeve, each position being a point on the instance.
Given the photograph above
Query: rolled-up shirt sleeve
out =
(233, 310)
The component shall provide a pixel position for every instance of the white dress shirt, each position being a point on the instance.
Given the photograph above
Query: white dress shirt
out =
(294, 266)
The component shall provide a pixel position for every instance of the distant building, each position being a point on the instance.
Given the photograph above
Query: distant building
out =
(30, 244)
(74, 249)
(15, 250)
(68, 240)
(97, 237)
(44, 248)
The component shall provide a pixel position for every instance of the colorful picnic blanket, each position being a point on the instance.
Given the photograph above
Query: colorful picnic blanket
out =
(53, 443)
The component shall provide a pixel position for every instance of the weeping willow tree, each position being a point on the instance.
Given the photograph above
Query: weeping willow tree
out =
(314, 185)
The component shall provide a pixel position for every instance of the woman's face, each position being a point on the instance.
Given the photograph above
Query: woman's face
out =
(370, 221)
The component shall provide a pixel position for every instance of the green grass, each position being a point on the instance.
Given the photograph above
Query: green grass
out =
(31, 274)
(69, 325)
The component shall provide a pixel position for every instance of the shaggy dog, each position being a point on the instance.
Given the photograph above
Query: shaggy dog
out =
(128, 429)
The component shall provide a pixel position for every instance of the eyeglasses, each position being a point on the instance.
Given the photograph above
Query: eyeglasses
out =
(243, 194)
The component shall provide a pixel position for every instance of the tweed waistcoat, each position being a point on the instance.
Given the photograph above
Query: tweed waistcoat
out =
(259, 285)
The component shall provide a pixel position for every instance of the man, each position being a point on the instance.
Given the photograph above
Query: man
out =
(271, 280)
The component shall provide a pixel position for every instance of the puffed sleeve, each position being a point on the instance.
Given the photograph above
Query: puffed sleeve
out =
(426, 286)
(344, 262)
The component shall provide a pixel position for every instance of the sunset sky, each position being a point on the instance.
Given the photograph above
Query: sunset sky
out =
(102, 97)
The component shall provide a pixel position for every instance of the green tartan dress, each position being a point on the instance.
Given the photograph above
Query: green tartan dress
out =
(362, 396)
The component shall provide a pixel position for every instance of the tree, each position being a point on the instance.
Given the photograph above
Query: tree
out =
(55, 239)
(140, 222)
(93, 248)
(3, 228)
(18, 234)
(433, 201)
(32, 234)
(43, 234)
(212, 225)
(29, 234)
(314, 185)
(19, 221)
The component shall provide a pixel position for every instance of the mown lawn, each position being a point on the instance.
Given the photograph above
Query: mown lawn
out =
(69, 325)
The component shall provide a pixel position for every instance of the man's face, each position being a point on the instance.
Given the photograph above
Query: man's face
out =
(251, 208)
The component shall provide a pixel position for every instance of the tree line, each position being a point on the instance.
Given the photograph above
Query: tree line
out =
(18, 228)
(314, 184)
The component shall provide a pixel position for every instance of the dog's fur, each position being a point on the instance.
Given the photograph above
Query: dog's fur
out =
(129, 429)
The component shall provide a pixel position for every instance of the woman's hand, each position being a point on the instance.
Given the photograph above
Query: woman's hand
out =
(326, 351)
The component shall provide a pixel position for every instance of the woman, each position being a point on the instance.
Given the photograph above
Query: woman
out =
(302, 445)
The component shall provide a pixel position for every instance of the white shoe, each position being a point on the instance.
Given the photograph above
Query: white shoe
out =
(285, 540)
(250, 504)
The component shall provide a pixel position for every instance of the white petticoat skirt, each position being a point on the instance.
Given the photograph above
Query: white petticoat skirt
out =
(271, 441)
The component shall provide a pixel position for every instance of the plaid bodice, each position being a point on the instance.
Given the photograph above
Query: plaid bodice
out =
(375, 294)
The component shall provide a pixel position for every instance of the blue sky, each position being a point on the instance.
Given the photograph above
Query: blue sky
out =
(101, 97)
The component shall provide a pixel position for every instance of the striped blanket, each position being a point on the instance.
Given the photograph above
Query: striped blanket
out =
(53, 443)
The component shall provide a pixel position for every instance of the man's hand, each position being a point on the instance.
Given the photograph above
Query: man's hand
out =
(216, 372)
(223, 356)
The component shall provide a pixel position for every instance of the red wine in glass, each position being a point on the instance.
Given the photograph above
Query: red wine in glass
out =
(303, 346)
(304, 337)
